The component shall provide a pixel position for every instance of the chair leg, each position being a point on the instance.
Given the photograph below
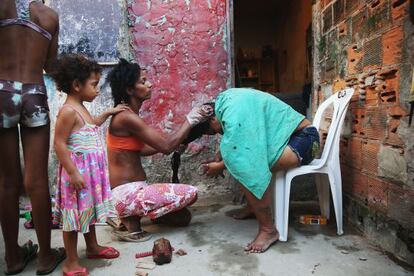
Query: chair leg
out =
(336, 188)
(322, 186)
(281, 223)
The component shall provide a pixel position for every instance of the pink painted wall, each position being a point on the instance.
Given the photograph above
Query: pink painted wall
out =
(183, 45)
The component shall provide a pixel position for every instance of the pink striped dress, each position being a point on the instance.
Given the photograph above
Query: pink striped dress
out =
(76, 210)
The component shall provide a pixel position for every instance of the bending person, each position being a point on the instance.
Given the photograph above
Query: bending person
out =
(28, 45)
(129, 138)
(261, 135)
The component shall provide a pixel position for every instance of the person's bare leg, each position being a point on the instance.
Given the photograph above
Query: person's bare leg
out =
(36, 152)
(70, 240)
(245, 212)
(10, 183)
(92, 246)
(262, 208)
(132, 223)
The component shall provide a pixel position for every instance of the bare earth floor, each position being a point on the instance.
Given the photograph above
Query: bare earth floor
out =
(214, 243)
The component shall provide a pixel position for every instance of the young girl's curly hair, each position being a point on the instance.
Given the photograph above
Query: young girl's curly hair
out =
(72, 67)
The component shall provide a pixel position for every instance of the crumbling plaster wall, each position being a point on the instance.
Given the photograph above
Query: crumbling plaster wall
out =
(184, 47)
(368, 45)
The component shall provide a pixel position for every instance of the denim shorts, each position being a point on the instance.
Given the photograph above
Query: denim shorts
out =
(305, 143)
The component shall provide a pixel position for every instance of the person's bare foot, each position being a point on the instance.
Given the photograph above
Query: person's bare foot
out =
(263, 241)
(48, 262)
(242, 213)
(71, 266)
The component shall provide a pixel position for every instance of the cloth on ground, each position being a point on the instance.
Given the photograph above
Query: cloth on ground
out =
(155, 200)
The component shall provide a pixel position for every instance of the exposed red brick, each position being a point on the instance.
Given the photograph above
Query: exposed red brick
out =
(399, 9)
(354, 182)
(378, 16)
(369, 157)
(389, 90)
(392, 44)
(358, 117)
(395, 114)
(375, 123)
(338, 10)
(392, 136)
(325, 3)
(358, 22)
(351, 6)
(354, 57)
(343, 30)
(372, 96)
(354, 153)
(377, 193)
(397, 111)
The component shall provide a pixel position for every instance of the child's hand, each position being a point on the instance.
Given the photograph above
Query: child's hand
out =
(214, 169)
(77, 181)
(117, 109)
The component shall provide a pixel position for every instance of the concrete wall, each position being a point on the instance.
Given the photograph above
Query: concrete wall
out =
(368, 45)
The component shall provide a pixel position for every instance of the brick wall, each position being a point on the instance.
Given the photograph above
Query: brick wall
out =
(366, 45)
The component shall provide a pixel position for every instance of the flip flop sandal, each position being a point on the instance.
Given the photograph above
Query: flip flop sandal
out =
(116, 224)
(60, 255)
(31, 251)
(79, 272)
(131, 237)
(107, 253)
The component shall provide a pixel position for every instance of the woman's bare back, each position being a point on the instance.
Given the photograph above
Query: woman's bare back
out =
(25, 53)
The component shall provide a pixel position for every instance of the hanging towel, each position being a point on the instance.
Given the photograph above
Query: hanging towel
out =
(256, 129)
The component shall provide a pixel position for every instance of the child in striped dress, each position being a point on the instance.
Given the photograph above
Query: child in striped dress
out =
(83, 194)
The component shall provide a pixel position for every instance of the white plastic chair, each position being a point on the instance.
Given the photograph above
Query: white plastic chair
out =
(327, 165)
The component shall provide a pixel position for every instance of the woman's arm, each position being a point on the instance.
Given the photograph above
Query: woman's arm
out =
(147, 151)
(64, 125)
(53, 46)
(152, 138)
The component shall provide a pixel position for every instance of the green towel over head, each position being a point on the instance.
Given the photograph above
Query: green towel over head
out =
(256, 129)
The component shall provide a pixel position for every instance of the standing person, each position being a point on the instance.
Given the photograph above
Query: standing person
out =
(28, 45)
(83, 192)
(128, 139)
(261, 135)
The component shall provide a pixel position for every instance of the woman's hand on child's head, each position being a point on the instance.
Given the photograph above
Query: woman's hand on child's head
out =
(199, 114)
(77, 181)
(117, 109)
(214, 169)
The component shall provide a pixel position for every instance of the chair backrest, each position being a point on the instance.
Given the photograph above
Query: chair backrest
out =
(340, 101)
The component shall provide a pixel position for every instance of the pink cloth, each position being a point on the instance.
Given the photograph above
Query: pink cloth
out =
(153, 201)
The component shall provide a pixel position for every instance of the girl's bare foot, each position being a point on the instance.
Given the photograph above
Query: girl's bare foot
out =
(70, 266)
(263, 241)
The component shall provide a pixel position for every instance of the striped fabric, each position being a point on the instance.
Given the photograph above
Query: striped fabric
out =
(76, 210)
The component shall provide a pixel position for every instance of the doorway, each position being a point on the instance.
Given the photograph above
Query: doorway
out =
(273, 45)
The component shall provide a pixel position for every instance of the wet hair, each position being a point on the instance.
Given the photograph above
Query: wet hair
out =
(124, 75)
(73, 67)
(196, 132)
